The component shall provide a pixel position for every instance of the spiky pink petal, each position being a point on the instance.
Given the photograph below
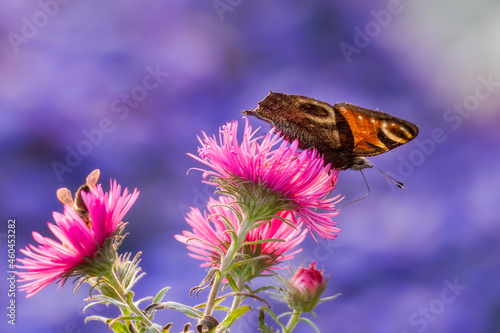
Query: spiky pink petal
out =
(52, 260)
(209, 228)
(300, 177)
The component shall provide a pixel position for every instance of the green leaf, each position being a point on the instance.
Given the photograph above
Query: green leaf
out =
(285, 314)
(92, 304)
(130, 297)
(275, 318)
(138, 328)
(155, 329)
(112, 323)
(258, 290)
(113, 301)
(126, 312)
(232, 283)
(271, 240)
(159, 297)
(225, 220)
(242, 262)
(187, 310)
(243, 294)
(310, 323)
(217, 307)
(234, 210)
(259, 224)
(232, 235)
(232, 317)
(144, 299)
(329, 298)
(287, 221)
(98, 318)
(216, 248)
(216, 301)
(314, 314)
(222, 308)
(119, 327)
(124, 318)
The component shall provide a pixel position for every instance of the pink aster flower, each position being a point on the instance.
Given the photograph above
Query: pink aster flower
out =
(297, 180)
(210, 229)
(78, 242)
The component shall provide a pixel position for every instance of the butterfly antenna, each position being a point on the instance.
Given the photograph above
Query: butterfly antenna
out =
(367, 194)
(394, 181)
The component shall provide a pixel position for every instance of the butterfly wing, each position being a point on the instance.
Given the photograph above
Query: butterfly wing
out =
(370, 133)
(93, 177)
(344, 133)
(64, 195)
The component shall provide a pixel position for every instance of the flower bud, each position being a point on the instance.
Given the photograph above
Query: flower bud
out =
(303, 291)
(307, 280)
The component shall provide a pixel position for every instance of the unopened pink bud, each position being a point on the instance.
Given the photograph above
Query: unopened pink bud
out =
(308, 279)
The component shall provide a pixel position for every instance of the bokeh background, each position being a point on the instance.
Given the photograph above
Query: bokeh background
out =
(422, 259)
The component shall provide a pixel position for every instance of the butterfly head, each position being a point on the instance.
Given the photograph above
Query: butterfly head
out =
(360, 163)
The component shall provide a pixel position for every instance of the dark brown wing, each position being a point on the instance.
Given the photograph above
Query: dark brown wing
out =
(371, 132)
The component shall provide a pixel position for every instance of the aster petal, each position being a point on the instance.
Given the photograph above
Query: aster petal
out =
(300, 177)
(214, 232)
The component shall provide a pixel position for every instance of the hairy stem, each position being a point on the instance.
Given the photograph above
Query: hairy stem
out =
(292, 322)
(225, 263)
(122, 294)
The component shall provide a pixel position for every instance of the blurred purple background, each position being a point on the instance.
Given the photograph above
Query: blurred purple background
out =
(422, 259)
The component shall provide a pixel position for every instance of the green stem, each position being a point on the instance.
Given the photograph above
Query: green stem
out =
(115, 283)
(225, 263)
(292, 322)
(213, 295)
